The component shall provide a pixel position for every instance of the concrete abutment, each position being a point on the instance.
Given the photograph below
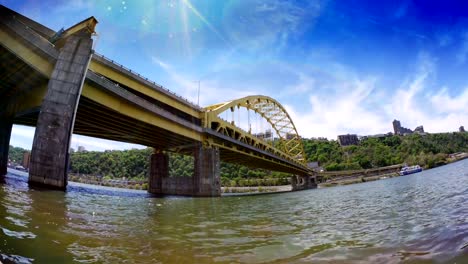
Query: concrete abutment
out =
(204, 183)
(49, 155)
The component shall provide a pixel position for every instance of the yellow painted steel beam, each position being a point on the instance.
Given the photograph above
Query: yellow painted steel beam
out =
(130, 82)
(254, 141)
(87, 25)
(269, 109)
(243, 153)
(26, 54)
(125, 108)
(89, 117)
(27, 101)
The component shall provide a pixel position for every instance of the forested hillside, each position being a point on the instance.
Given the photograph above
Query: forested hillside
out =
(427, 150)
(16, 154)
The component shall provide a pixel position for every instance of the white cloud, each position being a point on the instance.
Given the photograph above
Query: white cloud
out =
(161, 64)
(22, 136)
(414, 104)
(356, 104)
(443, 103)
(406, 104)
(210, 86)
(304, 85)
(347, 112)
(255, 24)
(100, 144)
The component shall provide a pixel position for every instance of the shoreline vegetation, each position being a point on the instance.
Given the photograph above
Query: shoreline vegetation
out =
(344, 178)
(372, 159)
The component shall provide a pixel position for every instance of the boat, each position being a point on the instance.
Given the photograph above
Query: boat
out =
(410, 170)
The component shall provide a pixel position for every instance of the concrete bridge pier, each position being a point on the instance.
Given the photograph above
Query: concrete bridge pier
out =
(207, 172)
(303, 182)
(6, 125)
(159, 172)
(204, 183)
(49, 155)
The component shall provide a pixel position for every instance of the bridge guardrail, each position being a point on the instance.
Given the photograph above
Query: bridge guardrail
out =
(153, 83)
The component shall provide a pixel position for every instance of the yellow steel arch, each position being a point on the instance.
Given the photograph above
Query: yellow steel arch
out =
(271, 110)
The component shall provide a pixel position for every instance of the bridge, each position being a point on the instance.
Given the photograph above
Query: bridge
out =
(54, 81)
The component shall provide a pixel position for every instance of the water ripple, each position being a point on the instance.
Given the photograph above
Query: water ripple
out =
(421, 217)
(17, 234)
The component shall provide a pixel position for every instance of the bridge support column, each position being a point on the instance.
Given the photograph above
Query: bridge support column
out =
(206, 181)
(303, 182)
(49, 155)
(159, 170)
(6, 125)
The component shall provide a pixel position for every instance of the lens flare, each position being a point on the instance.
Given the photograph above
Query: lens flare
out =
(204, 20)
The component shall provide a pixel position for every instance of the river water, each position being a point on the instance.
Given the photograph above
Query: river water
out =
(420, 218)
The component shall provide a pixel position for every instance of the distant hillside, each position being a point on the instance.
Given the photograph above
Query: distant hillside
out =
(425, 150)
(16, 154)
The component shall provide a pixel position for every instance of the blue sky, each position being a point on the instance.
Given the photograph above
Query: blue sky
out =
(337, 66)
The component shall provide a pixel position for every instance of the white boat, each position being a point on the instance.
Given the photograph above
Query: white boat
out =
(410, 170)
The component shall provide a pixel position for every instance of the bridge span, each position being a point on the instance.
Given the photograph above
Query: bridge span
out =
(54, 81)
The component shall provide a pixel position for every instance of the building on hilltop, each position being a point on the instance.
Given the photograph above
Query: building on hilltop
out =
(267, 135)
(315, 165)
(399, 130)
(349, 139)
(396, 126)
(388, 134)
(419, 130)
(319, 138)
(81, 149)
(461, 129)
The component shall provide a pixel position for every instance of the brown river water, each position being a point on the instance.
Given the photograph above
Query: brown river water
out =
(420, 218)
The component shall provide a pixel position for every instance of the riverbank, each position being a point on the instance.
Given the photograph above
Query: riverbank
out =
(354, 177)
(360, 179)
(143, 185)
(256, 189)
(336, 178)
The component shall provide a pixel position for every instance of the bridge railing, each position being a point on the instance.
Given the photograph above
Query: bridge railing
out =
(32, 37)
(149, 81)
(102, 80)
